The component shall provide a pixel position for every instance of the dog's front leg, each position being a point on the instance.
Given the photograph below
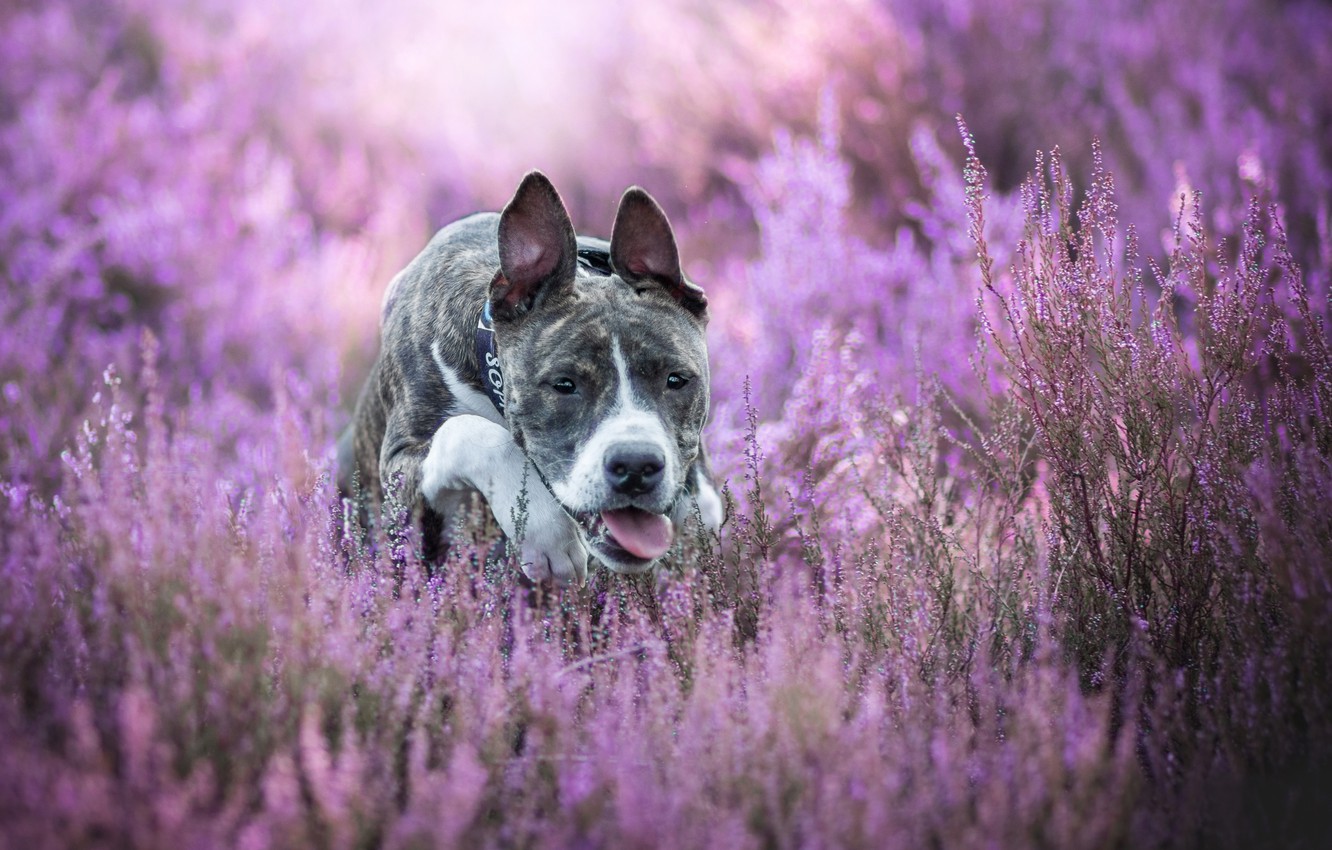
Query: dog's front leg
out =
(468, 453)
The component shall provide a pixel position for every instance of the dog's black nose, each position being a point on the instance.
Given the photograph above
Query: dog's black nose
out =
(634, 469)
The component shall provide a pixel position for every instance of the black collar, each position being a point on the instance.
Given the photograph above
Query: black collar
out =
(487, 359)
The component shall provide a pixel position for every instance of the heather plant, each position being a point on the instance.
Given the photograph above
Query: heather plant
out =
(910, 303)
(249, 675)
(1122, 472)
(1184, 96)
(1155, 442)
(1143, 441)
(106, 228)
(1025, 539)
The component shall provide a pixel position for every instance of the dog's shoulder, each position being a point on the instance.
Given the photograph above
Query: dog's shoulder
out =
(469, 247)
(461, 255)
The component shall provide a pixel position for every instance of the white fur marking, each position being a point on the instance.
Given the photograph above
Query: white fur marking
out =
(709, 503)
(465, 399)
(585, 488)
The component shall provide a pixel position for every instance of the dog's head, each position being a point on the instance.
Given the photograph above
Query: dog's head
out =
(606, 375)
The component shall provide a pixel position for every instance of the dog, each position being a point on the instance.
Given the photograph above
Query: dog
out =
(564, 378)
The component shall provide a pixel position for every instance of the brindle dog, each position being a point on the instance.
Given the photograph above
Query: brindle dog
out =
(563, 378)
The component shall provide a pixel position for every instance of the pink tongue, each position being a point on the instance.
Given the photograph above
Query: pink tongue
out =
(644, 534)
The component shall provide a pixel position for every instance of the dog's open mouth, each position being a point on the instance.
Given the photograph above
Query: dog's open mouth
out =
(630, 535)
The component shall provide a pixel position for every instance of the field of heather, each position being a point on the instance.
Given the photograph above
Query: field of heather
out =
(1021, 387)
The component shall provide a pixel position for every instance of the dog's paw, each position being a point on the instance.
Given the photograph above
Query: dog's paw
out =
(550, 543)
(563, 561)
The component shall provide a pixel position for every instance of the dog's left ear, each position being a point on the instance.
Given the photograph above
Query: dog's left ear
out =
(537, 248)
(642, 247)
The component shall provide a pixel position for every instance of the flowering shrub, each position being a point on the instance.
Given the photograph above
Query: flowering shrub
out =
(1189, 95)
(1025, 545)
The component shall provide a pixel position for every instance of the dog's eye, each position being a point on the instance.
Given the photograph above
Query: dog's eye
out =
(675, 381)
(565, 386)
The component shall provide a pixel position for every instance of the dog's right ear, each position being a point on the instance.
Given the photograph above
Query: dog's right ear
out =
(537, 248)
